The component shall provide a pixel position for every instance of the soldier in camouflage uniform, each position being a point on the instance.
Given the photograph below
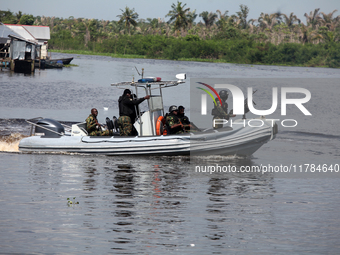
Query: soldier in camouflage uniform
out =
(184, 119)
(173, 122)
(125, 126)
(188, 126)
(221, 111)
(127, 113)
(93, 127)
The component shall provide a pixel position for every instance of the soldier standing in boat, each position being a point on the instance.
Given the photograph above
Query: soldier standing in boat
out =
(221, 111)
(173, 122)
(93, 128)
(127, 113)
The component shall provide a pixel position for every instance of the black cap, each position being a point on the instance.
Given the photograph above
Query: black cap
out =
(127, 91)
(181, 107)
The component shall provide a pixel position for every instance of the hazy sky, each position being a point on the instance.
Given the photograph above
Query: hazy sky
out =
(109, 9)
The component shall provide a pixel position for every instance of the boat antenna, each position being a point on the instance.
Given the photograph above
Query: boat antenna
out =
(137, 71)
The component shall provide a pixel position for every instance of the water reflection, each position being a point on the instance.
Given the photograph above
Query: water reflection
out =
(90, 183)
(157, 206)
(124, 212)
(124, 184)
(236, 205)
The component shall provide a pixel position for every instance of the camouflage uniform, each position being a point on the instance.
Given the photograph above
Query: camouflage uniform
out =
(173, 120)
(184, 120)
(91, 127)
(128, 111)
(220, 112)
(125, 125)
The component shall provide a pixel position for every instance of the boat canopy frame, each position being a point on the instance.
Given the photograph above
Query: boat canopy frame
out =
(148, 88)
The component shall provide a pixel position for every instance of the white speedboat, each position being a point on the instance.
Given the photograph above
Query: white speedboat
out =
(50, 135)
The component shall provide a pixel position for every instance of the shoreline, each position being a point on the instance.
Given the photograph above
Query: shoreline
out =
(130, 56)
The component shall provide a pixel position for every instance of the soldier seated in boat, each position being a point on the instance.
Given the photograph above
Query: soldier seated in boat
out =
(93, 128)
(221, 111)
(127, 113)
(173, 123)
(188, 126)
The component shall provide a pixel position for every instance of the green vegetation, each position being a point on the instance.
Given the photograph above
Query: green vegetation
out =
(179, 16)
(87, 52)
(238, 50)
(26, 20)
(128, 17)
(273, 39)
(69, 65)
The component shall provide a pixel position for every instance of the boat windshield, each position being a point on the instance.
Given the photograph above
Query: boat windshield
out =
(155, 103)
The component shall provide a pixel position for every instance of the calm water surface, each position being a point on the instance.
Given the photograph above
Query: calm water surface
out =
(160, 205)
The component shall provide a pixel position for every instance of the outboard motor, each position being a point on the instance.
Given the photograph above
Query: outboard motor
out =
(49, 128)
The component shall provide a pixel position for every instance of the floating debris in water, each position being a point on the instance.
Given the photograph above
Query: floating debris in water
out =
(72, 202)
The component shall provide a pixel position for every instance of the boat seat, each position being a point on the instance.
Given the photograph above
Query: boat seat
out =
(79, 129)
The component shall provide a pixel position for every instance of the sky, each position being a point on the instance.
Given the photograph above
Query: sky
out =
(109, 9)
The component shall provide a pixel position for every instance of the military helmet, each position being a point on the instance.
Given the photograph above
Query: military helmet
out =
(224, 94)
(173, 108)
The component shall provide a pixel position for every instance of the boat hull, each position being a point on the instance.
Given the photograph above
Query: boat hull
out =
(109, 145)
(227, 141)
(46, 63)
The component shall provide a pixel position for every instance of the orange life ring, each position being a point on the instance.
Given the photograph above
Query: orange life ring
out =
(160, 126)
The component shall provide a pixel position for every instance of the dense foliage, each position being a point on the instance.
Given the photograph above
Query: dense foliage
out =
(238, 50)
(271, 39)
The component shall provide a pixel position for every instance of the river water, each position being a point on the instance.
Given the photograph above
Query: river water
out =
(161, 205)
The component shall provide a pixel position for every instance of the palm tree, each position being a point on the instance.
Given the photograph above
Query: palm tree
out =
(329, 21)
(268, 21)
(128, 17)
(153, 22)
(290, 20)
(113, 27)
(191, 18)
(178, 15)
(308, 34)
(18, 16)
(234, 21)
(242, 15)
(313, 18)
(208, 18)
(251, 25)
(87, 36)
(69, 22)
(154, 25)
(223, 19)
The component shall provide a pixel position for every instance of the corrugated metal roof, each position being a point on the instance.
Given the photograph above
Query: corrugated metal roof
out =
(4, 32)
(20, 39)
(21, 31)
(39, 32)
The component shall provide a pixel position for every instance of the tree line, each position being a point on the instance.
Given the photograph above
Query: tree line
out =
(275, 38)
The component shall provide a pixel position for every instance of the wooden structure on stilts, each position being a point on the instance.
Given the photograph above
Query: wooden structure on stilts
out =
(23, 47)
(22, 54)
